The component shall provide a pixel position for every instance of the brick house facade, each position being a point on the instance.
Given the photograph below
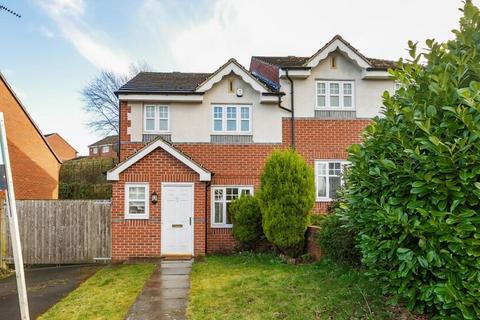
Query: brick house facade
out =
(233, 120)
(104, 148)
(35, 166)
(62, 148)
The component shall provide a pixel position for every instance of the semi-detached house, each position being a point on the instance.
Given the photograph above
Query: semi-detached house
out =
(190, 143)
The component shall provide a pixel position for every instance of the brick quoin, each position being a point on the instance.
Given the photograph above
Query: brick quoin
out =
(231, 164)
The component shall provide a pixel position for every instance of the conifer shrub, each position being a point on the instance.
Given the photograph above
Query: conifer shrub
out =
(287, 196)
(247, 221)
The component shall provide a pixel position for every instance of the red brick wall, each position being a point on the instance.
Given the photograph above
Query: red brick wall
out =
(110, 154)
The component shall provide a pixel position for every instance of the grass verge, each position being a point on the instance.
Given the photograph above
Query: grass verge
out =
(249, 286)
(108, 294)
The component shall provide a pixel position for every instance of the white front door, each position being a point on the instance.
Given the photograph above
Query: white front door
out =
(177, 219)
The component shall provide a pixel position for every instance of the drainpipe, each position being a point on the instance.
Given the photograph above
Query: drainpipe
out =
(292, 108)
(119, 128)
(207, 185)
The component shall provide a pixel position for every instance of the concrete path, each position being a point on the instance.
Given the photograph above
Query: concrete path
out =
(165, 295)
(45, 287)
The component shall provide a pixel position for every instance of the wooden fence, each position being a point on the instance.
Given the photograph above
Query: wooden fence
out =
(60, 231)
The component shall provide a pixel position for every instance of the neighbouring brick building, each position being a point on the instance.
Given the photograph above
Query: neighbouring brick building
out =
(62, 148)
(104, 148)
(35, 166)
(192, 142)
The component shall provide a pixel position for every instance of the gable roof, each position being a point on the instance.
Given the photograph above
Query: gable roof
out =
(22, 107)
(333, 44)
(188, 83)
(114, 174)
(58, 135)
(157, 82)
(113, 139)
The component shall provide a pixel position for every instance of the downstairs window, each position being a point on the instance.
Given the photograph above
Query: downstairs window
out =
(222, 197)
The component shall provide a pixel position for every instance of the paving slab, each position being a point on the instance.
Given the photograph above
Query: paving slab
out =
(165, 294)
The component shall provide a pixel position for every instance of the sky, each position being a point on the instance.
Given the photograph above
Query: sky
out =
(58, 46)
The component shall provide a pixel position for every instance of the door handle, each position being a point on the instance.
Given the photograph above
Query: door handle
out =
(190, 220)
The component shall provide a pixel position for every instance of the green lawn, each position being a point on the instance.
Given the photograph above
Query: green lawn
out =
(248, 286)
(108, 294)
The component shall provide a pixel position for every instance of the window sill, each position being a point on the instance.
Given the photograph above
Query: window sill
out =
(324, 200)
(157, 132)
(335, 109)
(221, 226)
(231, 133)
(130, 217)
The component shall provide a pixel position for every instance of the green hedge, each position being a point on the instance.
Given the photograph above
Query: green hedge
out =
(247, 221)
(85, 178)
(413, 193)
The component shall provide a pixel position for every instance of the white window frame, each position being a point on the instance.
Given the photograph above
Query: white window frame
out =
(224, 202)
(95, 150)
(105, 146)
(137, 216)
(340, 94)
(156, 118)
(238, 119)
(327, 174)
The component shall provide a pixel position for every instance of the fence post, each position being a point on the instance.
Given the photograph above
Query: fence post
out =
(3, 235)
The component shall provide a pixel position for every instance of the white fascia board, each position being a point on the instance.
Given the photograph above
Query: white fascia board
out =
(376, 74)
(338, 44)
(269, 99)
(231, 67)
(162, 97)
(295, 73)
(114, 174)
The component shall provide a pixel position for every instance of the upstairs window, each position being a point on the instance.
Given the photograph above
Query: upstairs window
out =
(105, 149)
(328, 178)
(156, 118)
(335, 95)
(94, 150)
(232, 119)
(222, 197)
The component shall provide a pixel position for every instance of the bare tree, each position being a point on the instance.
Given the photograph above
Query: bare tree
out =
(100, 100)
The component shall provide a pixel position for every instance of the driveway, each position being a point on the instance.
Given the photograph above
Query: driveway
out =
(45, 287)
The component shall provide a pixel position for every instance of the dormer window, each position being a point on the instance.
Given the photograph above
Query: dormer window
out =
(335, 95)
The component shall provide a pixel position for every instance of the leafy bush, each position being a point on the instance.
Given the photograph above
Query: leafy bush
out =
(287, 196)
(413, 193)
(247, 221)
(316, 219)
(337, 241)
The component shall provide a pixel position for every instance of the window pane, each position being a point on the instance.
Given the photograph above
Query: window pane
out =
(334, 168)
(245, 192)
(228, 221)
(136, 207)
(321, 88)
(218, 194)
(245, 125)
(136, 193)
(150, 124)
(347, 88)
(163, 124)
(217, 125)
(231, 112)
(334, 184)
(347, 101)
(321, 186)
(231, 194)
(321, 101)
(150, 111)
(163, 112)
(334, 88)
(245, 113)
(321, 169)
(218, 214)
(217, 112)
(231, 125)
(334, 101)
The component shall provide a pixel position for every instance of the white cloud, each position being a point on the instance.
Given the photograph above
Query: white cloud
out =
(46, 32)
(240, 29)
(89, 41)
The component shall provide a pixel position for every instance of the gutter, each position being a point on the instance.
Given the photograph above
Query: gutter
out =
(292, 109)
